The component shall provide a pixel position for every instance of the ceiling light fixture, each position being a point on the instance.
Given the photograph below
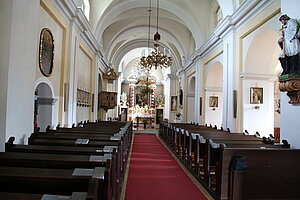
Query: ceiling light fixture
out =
(156, 58)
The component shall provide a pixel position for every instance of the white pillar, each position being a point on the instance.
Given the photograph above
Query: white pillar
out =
(72, 77)
(228, 120)
(19, 46)
(199, 90)
(182, 77)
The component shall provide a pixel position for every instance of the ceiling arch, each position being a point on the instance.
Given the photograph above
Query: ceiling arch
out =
(135, 44)
(131, 35)
(111, 14)
(261, 57)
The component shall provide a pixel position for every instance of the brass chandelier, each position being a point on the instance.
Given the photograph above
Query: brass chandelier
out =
(156, 58)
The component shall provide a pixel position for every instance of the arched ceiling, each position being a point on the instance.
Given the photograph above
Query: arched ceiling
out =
(121, 26)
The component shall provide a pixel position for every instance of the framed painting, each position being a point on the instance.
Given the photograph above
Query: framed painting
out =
(46, 52)
(213, 101)
(256, 95)
(174, 103)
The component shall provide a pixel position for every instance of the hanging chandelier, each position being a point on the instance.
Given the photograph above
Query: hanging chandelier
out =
(146, 79)
(156, 58)
(142, 76)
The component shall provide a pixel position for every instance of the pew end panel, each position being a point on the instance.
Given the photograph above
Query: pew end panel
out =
(271, 174)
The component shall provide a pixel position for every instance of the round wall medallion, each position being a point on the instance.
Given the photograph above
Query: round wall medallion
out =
(46, 52)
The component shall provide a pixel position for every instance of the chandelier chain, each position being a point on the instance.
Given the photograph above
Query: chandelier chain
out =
(156, 58)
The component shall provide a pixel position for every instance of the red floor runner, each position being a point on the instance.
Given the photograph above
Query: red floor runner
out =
(154, 174)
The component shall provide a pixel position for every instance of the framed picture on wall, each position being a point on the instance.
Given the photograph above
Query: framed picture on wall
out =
(46, 52)
(174, 103)
(213, 101)
(256, 95)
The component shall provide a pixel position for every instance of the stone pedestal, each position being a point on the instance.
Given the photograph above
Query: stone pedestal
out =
(290, 84)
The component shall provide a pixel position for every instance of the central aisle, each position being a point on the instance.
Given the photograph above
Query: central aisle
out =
(154, 174)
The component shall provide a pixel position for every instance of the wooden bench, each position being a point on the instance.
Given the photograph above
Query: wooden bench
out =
(27, 196)
(77, 148)
(53, 181)
(209, 154)
(62, 161)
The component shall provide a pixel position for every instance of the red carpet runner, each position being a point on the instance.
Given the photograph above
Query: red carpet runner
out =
(154, 174)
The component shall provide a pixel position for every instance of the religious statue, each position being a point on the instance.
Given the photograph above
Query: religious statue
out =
(290, 45)
(124, 99)
(289, 57)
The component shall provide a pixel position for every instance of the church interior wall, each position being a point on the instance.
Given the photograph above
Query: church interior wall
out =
(259, 52)
(190, 95)
(22, 47)
(84, 81)
(47, 20)
(254, 25)
(213, 91)
(252, 52)
(212, 83)
(213, 115)
(263, 113)
(167, 94)
(5, 32)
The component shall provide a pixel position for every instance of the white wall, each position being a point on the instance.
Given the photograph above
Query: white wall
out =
(214, 81)
(213, 115)
(5, 30)
(23, 48)
(262, 119)
(191, 108)
(291, 8)
(83, 82)
(289, 122)
(46, 21)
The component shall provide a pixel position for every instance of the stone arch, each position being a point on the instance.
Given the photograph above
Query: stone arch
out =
(191, 99)
(260, 70)
(214, 94)
(43, 103)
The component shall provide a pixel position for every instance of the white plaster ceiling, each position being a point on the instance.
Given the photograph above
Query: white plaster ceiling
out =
(121, 26)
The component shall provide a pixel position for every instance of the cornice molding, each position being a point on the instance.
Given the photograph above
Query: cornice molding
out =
(72, 13)
(265, 77)
(213, 89)
(229, 24)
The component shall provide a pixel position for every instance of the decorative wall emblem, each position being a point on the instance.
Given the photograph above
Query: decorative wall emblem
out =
(46, 52)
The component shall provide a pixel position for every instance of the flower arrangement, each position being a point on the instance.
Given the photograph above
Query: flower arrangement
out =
(178, 115)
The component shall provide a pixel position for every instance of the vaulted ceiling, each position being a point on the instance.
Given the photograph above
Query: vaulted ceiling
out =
(121, 26)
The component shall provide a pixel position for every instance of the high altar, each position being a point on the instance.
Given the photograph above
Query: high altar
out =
(142, 106)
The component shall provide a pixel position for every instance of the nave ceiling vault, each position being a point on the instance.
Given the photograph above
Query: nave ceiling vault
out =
(123, 26)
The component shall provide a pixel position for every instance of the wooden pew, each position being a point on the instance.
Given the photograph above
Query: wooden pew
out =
(99, 142)
(53, 181)
(206, 149)
(268, 174)
(71, 156)
(27, 196)
(61, 161)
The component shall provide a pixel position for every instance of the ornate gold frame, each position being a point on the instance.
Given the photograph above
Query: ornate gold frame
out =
(46, 52)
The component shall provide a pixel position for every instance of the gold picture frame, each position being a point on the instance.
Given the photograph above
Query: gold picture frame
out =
(256, 95)
(174, 103)
(213, 101)
(46, 52)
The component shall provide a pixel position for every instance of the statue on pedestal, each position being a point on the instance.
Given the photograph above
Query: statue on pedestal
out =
(290, 45)
(289, 57)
